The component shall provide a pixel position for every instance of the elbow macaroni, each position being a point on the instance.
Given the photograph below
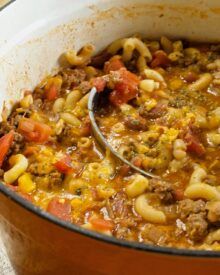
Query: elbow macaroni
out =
(197, 189)
(129, 45)
(72, 99)
(198, 175)
(160, 110)
(141, 64)
(99, 172)
(67, 104)
(149, 85)
(70, 119)
(138, 186)
(202, 191)
(58, 105)
(202, 83)
(179, 149)
(81, 107)
(149, 213)
(83, 101)
(84, 142)
(166, 44)
(214, 118)
(213, 237)
(80, 58)
(178, 46)
(213, 139)
(152, 74)
(19, 165)
(192, 53)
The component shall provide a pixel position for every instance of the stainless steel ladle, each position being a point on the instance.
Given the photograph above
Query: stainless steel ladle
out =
(92, 105)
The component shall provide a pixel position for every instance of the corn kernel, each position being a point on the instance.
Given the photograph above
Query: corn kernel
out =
(150, 104)
(175, 84)
(76, 202)
(57, 81)
(127, 109)
(47, 151)
(37, 117)
(169, 135)
(26, 184)
(26, 101)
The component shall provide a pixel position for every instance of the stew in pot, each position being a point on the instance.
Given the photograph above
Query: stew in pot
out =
(161, 112)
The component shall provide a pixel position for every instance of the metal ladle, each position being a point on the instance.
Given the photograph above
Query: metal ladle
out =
(92, 105)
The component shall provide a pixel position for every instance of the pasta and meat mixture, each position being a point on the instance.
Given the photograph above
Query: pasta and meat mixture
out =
(160, 110)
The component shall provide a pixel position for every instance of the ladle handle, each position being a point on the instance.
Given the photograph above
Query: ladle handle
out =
(93, 99)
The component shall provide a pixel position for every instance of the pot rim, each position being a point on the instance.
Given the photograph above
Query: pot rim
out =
(6, 4)
(10, 194)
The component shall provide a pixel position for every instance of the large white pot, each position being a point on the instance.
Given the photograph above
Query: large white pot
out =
(33, 35)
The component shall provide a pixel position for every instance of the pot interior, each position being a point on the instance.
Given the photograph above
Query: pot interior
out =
(31, 48)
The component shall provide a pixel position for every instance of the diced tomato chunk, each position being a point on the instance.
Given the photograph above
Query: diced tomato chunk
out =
(60, 208)
(99, 83)
(125, 89)
(178, 194)
(26, 125)
(34, 131)
(137, 161)
(101, 224)
(115, 99)
(114, 64)
(193, 144)
(5, 144)
(64, 165)
(160, 59)
(52, 93)
(124, 170)
(129, 78)
(86, 127)
(191, 77)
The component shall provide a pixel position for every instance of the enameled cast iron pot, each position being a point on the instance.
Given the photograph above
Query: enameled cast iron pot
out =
(33, 35)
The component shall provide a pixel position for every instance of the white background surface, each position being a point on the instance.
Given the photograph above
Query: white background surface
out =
(5, 266)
